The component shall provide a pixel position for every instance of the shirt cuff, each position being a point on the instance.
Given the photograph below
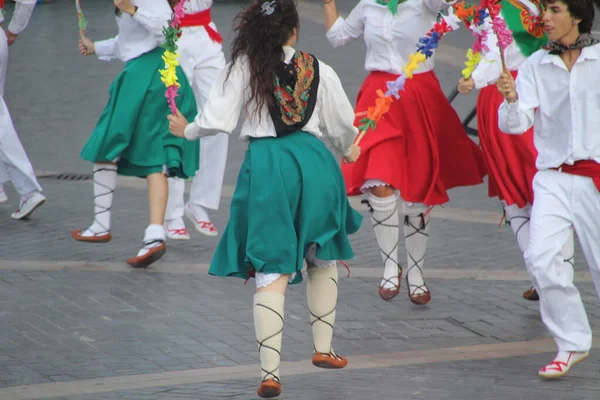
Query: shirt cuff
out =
(105, 49)
(512, 108)
(192, 131)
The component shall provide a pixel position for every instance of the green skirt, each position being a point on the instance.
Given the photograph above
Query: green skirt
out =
(134, 125)
(290, 193)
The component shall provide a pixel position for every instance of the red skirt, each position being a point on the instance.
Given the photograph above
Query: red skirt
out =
(419, 147)
(510, 159)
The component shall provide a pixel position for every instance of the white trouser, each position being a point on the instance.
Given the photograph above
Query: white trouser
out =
(202, 60)
(563, 201)
(14, 164)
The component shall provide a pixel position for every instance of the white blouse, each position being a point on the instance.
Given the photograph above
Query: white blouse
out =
(138, 34)
(21, 16)
(333, 116)
(194, 6)
(390, 39)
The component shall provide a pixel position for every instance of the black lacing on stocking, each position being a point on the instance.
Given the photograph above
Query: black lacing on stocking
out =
(415, 263)
(319, 318)
(525, 221)
(104, 209)
(570, 260)
(149, 243)
(388, 256)
(261, 344)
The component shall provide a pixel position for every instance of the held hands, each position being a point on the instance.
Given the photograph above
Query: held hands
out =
(506, 87)
(126, 6)
(177, 124)
(354, 154)
(465, 86)
(10, 37)
(86, 46)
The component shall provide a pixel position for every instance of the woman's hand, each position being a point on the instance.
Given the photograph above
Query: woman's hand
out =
(465, 86)
(177, 124)
(86, 46)
(354, 154)
(126, 6)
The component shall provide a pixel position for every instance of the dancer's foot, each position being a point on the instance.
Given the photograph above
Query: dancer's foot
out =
(531, 294)
(418, 294)
(562, 363)
(390, 287)
(29, 205)
(199, 217)
(152, 251)
(269, 388)
(329, 361)
(175, 229)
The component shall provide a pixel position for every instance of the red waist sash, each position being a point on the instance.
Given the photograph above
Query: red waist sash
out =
(589, 168)
(201, 18)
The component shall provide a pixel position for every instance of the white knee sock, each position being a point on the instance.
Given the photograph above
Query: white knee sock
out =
(154, 236)
(322, 294)
(268, 325)
(105, 181)
(518, 218)
(384, 216)
(416, 236)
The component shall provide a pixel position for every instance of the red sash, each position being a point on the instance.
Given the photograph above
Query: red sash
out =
(200, 19)
(1, 3)
(589, 168)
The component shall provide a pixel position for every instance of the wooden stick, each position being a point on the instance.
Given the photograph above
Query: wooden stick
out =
(360, 137)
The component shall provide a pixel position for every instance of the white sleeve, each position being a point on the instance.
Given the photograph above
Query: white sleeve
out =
(154, 15)
(435, 6)
(21, 16)
(224, 105)
(518, 117)
(344, 31)
(336, 113)
(490, 67)
(106, 49)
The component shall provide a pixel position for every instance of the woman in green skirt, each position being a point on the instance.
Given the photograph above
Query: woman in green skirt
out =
(132, 135)
(290, 203)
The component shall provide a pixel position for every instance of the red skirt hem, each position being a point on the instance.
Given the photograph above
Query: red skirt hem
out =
(419, 147)
(510, 159)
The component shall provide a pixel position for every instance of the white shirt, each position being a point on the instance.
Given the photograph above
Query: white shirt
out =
(21, 16)
(332, 117)
(390, 39)
(567, 118)
(138, 34)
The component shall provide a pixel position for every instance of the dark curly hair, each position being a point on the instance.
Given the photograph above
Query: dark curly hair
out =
(260, 37)
(580, 9)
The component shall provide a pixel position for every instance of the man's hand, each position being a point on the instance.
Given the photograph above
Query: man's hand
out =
(507, 87)
(354, 154)
(465, 86)
(125, 6)
(177, 124)
(10, 37)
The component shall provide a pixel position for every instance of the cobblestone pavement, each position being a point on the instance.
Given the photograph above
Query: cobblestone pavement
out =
(77, 324)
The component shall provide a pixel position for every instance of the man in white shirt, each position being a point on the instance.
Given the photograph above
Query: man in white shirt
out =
(202, 59)
(14, 164)
(557, 91)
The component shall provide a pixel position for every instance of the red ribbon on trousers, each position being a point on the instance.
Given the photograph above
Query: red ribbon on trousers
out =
(201, 18)
(589, 168)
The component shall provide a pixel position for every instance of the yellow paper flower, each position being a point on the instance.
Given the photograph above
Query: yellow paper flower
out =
(413, 63)
(473, 59)
(169, 74)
